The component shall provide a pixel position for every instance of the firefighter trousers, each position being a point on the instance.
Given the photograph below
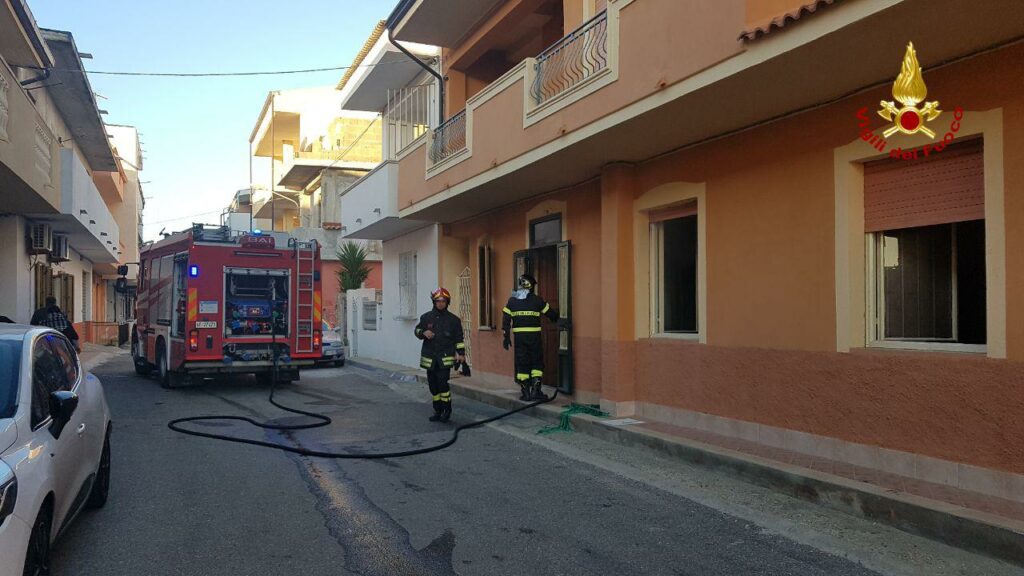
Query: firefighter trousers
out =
(437, 380)
(529, 356)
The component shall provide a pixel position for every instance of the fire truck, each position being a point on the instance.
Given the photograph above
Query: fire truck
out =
(210, 302)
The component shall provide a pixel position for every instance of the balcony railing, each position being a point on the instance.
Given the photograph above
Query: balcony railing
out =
(449, 138)
(572, 60)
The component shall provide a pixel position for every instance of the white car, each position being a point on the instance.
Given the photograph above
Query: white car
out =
(331, 349)
(54, 444)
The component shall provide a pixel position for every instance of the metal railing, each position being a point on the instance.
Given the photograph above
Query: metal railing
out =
(449, 138)
(571, 60)
(407, 116)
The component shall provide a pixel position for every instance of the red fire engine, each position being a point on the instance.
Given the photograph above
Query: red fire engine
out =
(213, 303)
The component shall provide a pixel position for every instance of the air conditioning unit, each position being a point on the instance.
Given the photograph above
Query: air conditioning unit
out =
(40, 239)
(61, 252)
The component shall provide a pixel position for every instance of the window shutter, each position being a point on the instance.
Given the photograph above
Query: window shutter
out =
(947, 187)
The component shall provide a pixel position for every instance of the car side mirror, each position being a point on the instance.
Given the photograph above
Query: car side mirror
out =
(62, 406)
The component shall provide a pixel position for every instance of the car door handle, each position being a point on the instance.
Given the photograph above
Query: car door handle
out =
(81, 429)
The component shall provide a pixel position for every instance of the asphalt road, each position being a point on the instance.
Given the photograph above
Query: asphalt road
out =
(504, 500)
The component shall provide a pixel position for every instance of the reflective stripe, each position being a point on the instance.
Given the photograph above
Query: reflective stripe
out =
(437, 397)
(527, 329)
(536, 373)
(506, 311)
(426, 362)
(526, 313)
(522, 376)
(460, 346)
(546, 308)
(448, 361)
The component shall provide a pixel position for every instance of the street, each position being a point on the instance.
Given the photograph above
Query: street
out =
(503, 500)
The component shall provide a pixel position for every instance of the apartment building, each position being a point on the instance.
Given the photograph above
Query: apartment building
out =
(771, 220)
(62, 236)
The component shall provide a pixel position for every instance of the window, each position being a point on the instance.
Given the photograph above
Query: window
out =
(369, 315)
(407, 285)
(930, 284)
(68, 359)
(10, 369)
(546, 232)
(926, 261)
(48, 376)
(484, 283)
(674, 269)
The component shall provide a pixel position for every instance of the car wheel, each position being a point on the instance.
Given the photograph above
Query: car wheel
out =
(101, 487)
(37, 558)
(142, 368)
(339, 363)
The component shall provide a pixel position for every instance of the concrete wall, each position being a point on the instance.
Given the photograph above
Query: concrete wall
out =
(15, 280)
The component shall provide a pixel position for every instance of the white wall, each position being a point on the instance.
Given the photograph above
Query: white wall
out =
(15, 275)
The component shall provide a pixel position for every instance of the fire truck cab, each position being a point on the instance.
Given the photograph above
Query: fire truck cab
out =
(212, 303)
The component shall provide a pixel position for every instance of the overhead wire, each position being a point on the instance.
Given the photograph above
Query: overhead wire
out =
(216, 74)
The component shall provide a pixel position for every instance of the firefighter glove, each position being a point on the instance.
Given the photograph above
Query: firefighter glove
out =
(507, 342)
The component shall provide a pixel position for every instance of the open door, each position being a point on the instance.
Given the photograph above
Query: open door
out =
(551, 266)
(565, 364)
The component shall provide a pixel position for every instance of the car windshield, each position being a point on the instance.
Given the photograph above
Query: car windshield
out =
(10, 365)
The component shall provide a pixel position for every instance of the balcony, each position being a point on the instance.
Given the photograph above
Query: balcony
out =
(448, 139)
(84, 217)
(27, 150)
(572, 61)
(369, 208)
(281, 207)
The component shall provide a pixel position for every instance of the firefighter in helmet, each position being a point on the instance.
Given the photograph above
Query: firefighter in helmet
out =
(521, 316)
(441, 332)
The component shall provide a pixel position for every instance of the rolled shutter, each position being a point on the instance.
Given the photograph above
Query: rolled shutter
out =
(948, 186)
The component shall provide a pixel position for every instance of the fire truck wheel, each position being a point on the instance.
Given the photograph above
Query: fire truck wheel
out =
(165, 376)
(142, 368)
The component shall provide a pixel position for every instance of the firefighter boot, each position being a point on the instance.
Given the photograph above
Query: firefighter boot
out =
(437, 417)
(537, 393)
(446, 413)
(525, 394)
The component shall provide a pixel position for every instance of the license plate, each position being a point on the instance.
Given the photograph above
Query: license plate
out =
(206, 324)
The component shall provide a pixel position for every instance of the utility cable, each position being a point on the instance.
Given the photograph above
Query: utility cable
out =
(325, 421)
(213, 74)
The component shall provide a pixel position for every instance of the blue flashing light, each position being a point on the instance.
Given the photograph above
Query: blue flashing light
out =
(193, 271)
(257, 232)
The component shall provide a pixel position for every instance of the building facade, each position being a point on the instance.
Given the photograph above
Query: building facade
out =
(746, 242)
(60, 179)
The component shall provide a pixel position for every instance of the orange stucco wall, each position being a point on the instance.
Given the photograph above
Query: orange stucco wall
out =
(663, 40)
(771, 318)
(506, 232)
(771, 299)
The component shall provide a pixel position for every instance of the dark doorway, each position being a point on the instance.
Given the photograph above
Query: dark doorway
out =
(547, 260)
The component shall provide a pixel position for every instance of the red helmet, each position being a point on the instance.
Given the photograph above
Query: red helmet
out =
(441, 294)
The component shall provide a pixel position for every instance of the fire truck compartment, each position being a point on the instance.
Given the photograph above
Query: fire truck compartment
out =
(255, 300)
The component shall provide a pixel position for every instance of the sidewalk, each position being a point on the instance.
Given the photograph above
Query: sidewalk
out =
(93, 355)
(968, 520)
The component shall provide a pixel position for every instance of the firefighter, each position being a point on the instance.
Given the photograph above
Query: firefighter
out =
(441, 332)
(521, 316)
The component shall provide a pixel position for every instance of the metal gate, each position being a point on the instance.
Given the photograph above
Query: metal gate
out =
(466, 311)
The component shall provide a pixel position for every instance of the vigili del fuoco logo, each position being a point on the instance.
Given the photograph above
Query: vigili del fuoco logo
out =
(908, 118)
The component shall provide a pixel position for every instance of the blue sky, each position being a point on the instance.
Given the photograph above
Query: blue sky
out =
(195, 131)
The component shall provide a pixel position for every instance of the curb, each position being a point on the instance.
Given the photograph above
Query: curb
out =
(959, 527)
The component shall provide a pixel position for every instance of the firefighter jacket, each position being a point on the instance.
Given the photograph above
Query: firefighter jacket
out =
(440, 351)
(522, 314)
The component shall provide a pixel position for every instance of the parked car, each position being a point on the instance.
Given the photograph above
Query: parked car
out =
(332, 350)
(54, 444)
